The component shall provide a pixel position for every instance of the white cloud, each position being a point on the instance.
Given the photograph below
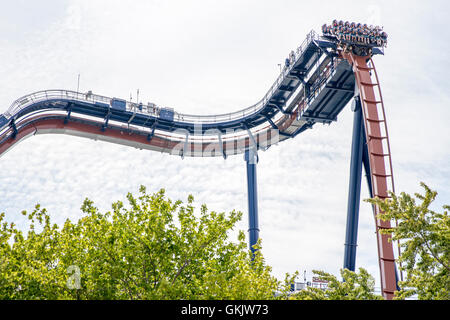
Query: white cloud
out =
(203, 57)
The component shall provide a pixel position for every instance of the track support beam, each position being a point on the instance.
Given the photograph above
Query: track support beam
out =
(354, 192)
(251, 158)
(14, 128)
(69, 112)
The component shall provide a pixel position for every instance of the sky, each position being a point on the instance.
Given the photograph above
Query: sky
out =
(213, 57)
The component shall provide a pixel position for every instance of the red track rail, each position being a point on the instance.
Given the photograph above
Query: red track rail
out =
(380, 160)
(160, 142)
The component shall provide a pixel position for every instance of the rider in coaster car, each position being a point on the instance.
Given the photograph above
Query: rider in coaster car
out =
(359, 35)
(365, 36)
(373, 38)
(340, 32)
(384, 38)
(354, 35)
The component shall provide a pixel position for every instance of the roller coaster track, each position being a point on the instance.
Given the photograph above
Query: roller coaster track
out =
(381, 172)
(314, 88)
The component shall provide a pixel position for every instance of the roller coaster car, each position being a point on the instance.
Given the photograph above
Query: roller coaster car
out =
(359, 49)
(357, 38)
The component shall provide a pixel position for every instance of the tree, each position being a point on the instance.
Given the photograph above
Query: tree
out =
(153, 249)
(425, 243)
(356, 286)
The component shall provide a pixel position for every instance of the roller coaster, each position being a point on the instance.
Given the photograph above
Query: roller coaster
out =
(318, 80)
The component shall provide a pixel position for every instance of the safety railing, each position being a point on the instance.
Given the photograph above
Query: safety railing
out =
(46, 95)
(260, 104)
(153, 109)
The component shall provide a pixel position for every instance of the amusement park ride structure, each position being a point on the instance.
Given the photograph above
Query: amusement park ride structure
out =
(319, 79)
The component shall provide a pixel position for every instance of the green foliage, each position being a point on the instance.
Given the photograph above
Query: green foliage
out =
(425, 241)
(356, 286)
(152, 249)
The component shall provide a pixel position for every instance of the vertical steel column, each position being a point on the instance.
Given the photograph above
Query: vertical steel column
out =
(354, 192)
(251, 157)
(366, 164)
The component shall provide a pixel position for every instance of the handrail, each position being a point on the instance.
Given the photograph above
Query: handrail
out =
(312, 35)
(45, 95)
(32, 98)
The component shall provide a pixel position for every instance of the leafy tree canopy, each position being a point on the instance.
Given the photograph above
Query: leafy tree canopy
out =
(425, 241)
(356, 286)
(153, 248)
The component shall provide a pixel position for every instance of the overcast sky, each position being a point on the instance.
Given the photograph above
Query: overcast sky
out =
(208, 57)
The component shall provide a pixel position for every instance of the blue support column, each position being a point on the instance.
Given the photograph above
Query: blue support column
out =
(354, 192)
(366, 163)
(251, 157)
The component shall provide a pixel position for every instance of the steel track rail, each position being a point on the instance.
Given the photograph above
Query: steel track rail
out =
(381, 173)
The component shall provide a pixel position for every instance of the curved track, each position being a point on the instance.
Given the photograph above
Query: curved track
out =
(314, 88)
(318, 83)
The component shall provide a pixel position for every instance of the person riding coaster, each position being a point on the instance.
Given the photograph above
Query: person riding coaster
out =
(359, 37)
(384, 38)
(356, 33)
(366, 37)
